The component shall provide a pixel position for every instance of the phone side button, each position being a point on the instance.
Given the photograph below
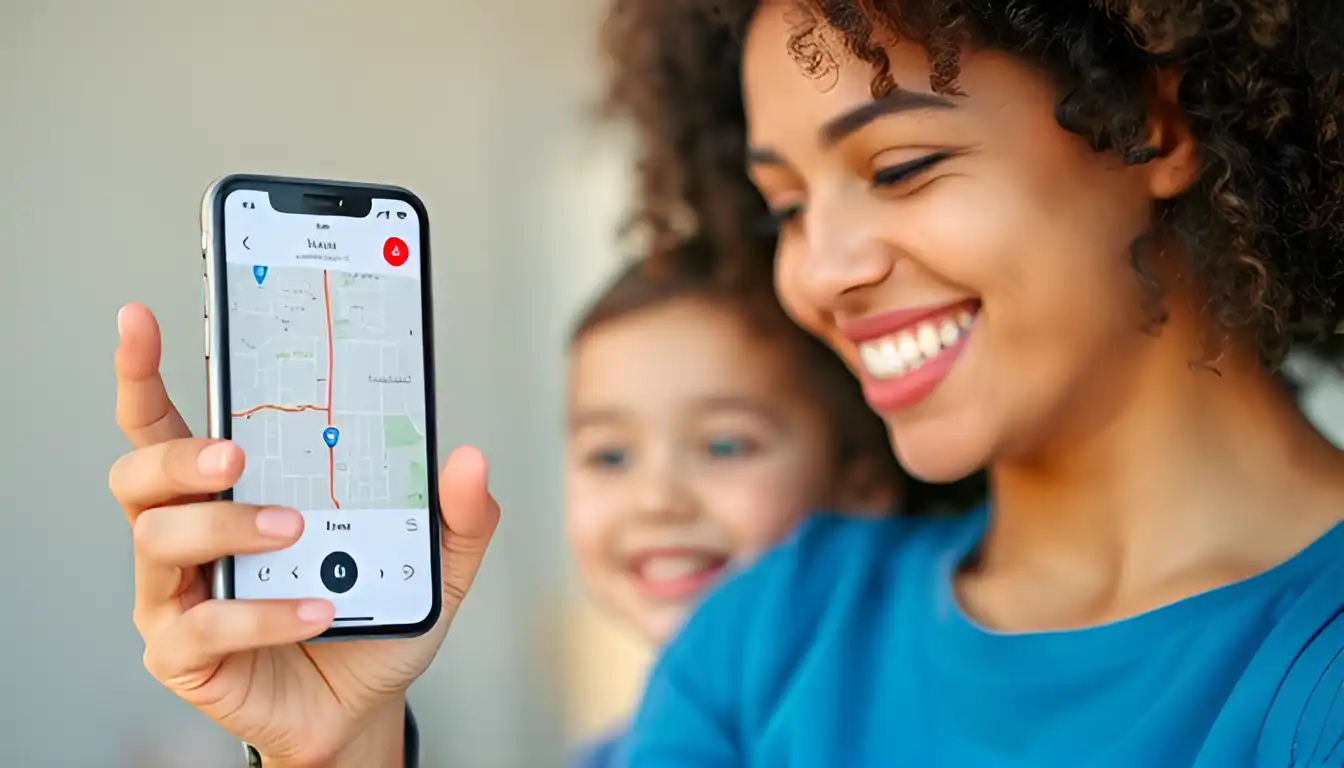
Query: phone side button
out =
(205, 334)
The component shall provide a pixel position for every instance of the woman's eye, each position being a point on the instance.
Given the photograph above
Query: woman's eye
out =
(777, 219)
(894, 175)
(607, 459)
(786, 214)
(730, 447)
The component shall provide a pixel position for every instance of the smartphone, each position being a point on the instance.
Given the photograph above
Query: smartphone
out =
(319, 365)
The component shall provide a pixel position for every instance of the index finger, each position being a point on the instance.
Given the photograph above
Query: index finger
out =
(145, 413)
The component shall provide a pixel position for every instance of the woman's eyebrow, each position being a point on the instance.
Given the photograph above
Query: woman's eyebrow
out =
(838, 128)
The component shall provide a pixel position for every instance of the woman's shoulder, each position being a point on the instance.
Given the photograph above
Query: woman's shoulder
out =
(1305, 725)
(1301, 669)
(1288, 701)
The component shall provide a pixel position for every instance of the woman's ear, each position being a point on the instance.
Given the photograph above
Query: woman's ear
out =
(865, 490)
(1174, 165)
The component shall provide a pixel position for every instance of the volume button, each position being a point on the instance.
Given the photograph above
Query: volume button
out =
(205, 295)
(205, 334)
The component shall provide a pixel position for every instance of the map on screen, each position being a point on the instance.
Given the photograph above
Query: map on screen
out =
(327, 374)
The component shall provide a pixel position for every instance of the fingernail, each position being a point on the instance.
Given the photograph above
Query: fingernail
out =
(215, 459)
(279, 523)
(316, 611)
(121, 320)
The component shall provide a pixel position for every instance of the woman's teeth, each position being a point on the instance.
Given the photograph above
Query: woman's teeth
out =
(907, 350)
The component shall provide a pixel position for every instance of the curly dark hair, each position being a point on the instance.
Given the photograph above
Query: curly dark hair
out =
(1262, 228)
(688, 271)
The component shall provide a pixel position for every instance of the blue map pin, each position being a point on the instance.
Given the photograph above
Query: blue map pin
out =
(259, 272)
(330, 435)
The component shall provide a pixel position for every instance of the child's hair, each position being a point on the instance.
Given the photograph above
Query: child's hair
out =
(861, 436)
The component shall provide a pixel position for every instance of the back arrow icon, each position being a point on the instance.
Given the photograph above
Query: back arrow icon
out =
(245, 245)
(295, 572)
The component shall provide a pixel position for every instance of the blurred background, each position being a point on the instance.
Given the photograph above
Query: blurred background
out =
(113, 119)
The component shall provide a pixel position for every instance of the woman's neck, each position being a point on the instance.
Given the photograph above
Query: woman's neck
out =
(1190, 471)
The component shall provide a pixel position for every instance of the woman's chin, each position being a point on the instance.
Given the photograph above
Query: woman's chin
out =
(938, 458)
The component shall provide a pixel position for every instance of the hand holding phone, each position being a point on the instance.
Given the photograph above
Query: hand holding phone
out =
(239, 661)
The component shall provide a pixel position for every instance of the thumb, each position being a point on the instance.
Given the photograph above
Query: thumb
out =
(144, 412)
(469, 515)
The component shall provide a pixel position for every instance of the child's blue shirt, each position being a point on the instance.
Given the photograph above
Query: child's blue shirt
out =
(605, 752)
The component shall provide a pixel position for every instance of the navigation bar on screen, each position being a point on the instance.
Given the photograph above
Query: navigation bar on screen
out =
(386, 242)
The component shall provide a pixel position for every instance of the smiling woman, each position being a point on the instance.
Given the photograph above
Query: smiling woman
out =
(1072, 243)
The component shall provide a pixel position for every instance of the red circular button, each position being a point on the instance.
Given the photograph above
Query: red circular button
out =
(395, 251)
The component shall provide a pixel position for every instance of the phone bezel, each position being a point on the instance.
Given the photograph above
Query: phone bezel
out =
(217, 364)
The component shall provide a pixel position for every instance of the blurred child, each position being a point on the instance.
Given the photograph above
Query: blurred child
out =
(702, 426)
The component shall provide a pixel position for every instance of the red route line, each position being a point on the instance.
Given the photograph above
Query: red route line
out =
(285, 408)
(331, 452)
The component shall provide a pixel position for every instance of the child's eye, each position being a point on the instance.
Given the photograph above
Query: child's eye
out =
(730, 447)
(607, 459)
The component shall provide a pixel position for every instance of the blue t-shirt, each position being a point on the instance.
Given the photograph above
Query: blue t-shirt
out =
(604, 752)
(845, 647)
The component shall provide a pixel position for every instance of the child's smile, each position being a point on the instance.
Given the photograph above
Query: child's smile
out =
(674, 573)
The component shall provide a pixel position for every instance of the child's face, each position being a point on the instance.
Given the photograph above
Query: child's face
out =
(690, 447)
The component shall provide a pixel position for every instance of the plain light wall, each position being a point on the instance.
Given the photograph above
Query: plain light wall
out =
(113, 118)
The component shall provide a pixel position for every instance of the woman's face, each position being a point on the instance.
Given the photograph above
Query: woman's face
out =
(966, 256)
(691, 449)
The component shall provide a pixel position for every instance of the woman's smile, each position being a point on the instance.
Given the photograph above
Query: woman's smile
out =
(905, 354)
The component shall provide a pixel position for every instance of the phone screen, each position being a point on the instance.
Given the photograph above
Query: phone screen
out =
(328, 392)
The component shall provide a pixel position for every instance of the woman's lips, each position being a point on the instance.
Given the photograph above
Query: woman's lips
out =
(904, 356)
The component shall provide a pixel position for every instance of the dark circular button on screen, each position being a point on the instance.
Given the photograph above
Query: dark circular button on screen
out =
(339, 572)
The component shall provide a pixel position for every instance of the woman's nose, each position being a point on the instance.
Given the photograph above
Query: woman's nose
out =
(841, 256)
